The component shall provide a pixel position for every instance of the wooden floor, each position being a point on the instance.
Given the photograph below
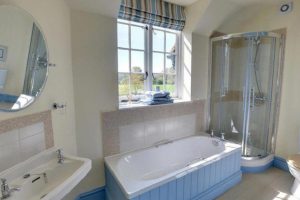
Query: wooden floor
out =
(273, 184)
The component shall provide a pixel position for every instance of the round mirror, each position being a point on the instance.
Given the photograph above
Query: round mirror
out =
(23, 59)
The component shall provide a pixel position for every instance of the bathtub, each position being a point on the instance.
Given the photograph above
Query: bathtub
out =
(187, 168)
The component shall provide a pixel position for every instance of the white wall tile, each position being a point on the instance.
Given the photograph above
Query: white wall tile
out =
(9, 137)
(154, 132)
(132, 137)
(20, 144)
(31, 130)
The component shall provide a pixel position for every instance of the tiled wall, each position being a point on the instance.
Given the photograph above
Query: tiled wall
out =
(136, 128)
(24, 137)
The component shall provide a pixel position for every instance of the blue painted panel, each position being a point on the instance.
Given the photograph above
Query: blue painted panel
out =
(207, 182)
(187, 186)
(180, 188)
(172, 190)
(163, 192)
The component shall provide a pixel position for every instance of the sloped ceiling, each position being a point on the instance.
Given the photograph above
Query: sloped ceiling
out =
(217, 11)
(203, 16)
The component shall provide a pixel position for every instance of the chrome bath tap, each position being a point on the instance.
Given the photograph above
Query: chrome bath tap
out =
(5, 190)
(60, 156)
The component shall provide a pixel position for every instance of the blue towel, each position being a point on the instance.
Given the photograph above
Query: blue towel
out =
(159, 101)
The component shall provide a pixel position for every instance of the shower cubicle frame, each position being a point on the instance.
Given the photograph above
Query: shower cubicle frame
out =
(274, 127)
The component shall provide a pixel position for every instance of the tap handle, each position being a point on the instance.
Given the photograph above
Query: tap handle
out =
(59, 151)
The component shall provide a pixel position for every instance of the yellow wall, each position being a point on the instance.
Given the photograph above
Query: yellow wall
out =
(265, 18)
(54, 18)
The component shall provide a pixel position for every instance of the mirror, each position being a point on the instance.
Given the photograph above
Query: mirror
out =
(23, 59)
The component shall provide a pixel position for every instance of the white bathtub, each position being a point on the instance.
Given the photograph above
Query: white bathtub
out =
(140, 171)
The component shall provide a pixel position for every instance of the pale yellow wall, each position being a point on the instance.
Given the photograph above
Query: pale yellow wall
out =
(94, 45)
(17, 39)
(258, 18)
(54, 18)
(200, 62)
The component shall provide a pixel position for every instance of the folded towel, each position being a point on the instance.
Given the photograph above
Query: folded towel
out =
(160, 94)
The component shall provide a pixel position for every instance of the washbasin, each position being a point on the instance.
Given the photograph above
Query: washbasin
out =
(42, 177)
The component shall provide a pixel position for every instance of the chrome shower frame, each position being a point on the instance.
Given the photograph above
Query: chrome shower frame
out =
(274, 125)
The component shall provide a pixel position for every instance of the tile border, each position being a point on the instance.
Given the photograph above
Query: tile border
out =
(27, 120)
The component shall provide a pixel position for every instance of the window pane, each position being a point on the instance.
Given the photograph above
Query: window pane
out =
(137, 62)
(123, 85)
(137, 85)
(158, 40)
(137, 38)
(170, 43)
(158, 63)
(123, 35)
(123, 60)
(170, 64)
(158, 82)
(170, 85)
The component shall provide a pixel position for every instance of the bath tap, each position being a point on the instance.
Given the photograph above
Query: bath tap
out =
(5, 190)
(60, 156)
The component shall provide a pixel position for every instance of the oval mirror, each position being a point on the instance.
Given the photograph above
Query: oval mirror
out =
(23, 59)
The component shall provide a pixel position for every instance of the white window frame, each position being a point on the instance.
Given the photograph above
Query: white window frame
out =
(148, 54)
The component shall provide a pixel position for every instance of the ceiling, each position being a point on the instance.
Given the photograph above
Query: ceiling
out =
(220, 10)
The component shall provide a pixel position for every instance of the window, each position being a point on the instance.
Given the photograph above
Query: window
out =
(147, 60)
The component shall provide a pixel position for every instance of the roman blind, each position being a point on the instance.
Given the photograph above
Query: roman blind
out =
(153, 12)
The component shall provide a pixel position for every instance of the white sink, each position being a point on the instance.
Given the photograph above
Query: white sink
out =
(61, 178)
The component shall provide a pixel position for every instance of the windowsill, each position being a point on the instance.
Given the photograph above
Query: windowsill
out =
(138, 105)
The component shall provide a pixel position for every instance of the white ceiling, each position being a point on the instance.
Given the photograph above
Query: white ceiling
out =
(220, 10)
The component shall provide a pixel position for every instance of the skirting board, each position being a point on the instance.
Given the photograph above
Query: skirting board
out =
(96, 194)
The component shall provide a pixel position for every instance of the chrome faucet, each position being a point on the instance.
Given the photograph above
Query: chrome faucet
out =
(5, 190)
(60, 156)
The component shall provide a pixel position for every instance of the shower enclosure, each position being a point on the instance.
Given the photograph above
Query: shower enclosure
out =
(245, 90)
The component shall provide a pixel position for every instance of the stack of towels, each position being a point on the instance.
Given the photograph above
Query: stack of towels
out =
(157, 98)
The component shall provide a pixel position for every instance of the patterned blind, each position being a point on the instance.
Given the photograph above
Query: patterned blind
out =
(153, 12)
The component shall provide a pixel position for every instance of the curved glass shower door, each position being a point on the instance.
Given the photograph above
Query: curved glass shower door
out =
(243, 84)
(262, 75)
(227, 87)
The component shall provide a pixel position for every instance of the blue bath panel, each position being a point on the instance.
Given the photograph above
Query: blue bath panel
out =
(205, 183)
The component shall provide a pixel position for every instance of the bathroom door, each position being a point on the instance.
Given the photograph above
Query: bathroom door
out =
(261, 80)
(228, 74)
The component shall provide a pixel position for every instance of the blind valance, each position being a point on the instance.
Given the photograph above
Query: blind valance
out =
(153, 12)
